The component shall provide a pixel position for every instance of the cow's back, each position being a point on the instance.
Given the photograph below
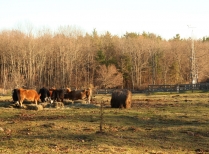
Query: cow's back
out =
(28, 94)
(51, 91)
(32, 95)
(44, 93)
(58, 95)
(80, 94)
(76, 94)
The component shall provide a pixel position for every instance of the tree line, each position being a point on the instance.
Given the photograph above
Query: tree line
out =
(69, 58)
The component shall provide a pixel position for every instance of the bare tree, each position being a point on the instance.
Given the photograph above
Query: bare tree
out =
(68, 58)
(108, 77)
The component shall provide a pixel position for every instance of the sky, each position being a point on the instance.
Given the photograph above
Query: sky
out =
(165, 18)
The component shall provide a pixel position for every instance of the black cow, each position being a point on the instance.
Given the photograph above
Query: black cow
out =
(58, 95)
(45, 95)
(14, 95)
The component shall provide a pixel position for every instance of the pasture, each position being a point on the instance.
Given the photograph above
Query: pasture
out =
(156, 124)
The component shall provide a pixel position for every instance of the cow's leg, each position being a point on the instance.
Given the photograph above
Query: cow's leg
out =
(36, 102)
(88, 100)
(17, 102)
(21, 101)
(50, 100)
(45, 99)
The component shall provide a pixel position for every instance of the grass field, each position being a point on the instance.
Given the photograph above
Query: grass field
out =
(156, 124)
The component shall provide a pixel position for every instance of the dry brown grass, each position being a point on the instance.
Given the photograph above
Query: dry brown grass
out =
(163, 124)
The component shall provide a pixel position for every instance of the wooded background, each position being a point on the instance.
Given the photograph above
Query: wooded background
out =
(69, 58)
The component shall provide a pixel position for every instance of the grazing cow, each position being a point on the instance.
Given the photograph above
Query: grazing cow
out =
(66, 95)
(121, 98)
(45, 95)
(51, 90)
(28, 94)
(14, 95)
(80, 94)
(58, 95)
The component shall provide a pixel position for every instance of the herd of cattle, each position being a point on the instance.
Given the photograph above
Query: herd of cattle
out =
(121, 98)
(50, 95)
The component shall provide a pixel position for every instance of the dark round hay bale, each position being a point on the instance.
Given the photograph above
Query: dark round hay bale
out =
(121, 98)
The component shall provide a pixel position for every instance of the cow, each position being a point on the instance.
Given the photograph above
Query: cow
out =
(89, 95)
(58, 95)
(14, 95)
(28, 94)
(80, 94)
(121, 98)
(45, 94)
(51, 90)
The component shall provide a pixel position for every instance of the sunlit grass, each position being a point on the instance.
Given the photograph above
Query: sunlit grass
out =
(176, 123)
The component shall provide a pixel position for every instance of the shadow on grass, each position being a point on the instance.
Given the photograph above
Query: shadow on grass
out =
(145, 126)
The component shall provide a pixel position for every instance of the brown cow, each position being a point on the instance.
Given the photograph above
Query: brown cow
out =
(121, 98)
(79, 94)
(88, 95)
(51, 91)
(28, 94)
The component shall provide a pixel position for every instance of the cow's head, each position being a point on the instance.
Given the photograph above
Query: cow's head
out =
(38, 97)
(68, 90)
(48, 99)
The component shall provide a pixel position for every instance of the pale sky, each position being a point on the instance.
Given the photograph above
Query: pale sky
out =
(165, 18)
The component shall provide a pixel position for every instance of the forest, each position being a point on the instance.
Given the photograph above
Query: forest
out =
(70, 58)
